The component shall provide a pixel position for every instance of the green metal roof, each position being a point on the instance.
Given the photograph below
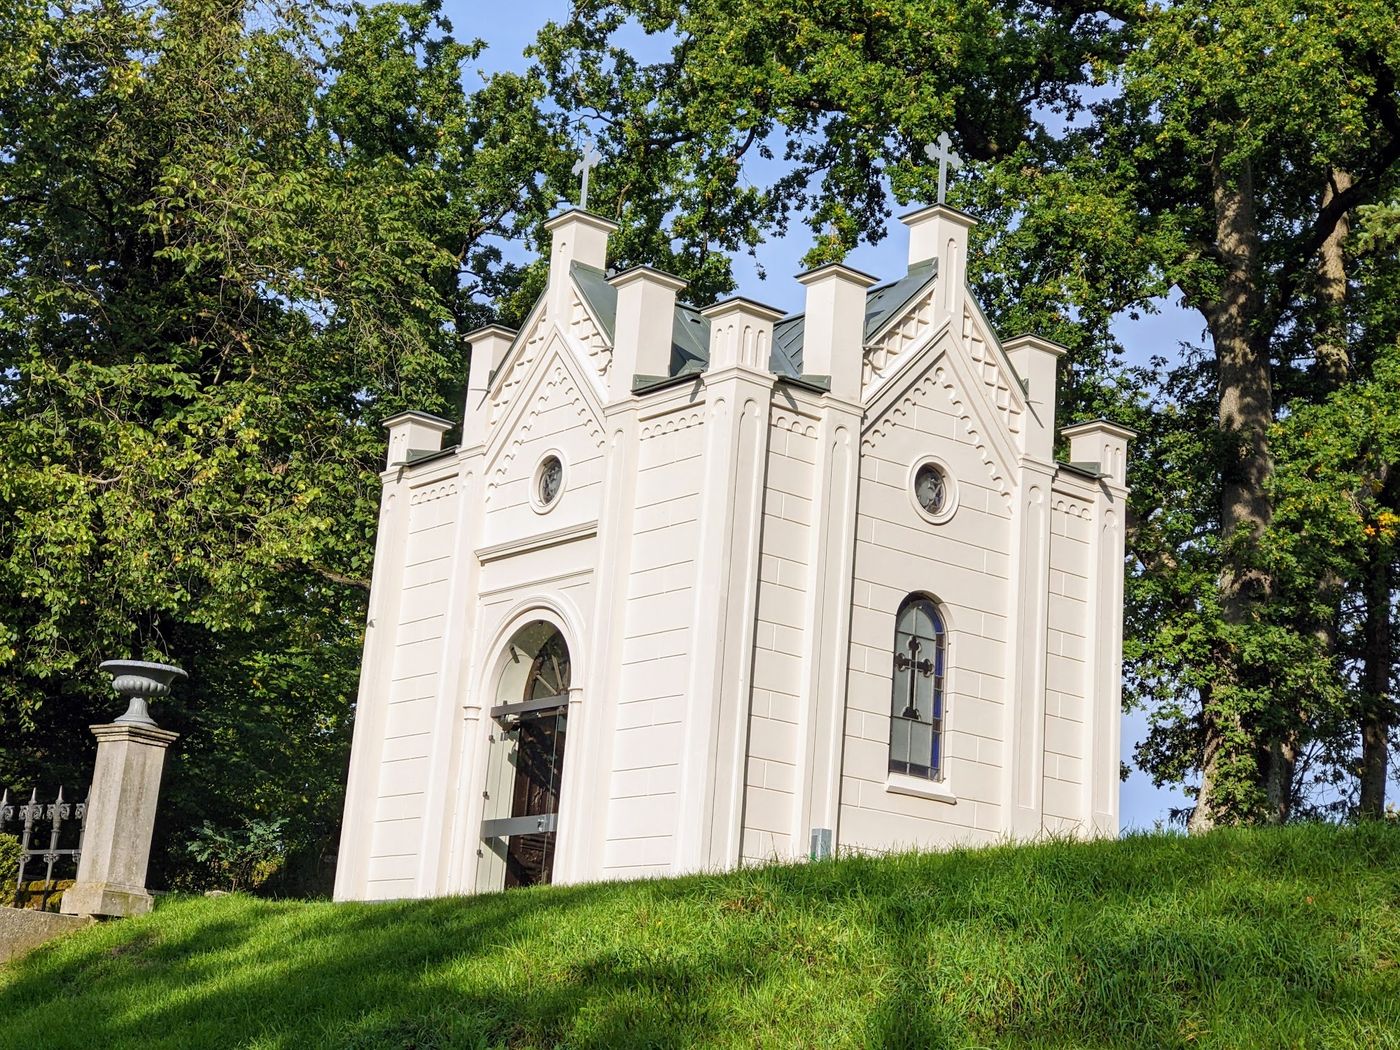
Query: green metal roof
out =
(690, 333)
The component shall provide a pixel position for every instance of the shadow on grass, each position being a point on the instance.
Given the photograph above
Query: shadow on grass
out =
(1269, 938)
(450, 972)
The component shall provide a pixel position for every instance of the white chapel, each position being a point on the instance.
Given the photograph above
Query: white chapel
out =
(701, 588)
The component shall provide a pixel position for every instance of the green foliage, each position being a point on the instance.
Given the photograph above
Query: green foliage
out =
(10, 856)
(243, 858)
(233, 239)
(1116, 153)
(1274, 937)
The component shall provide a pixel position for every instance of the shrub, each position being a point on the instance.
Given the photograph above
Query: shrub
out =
(241, 859)
(10, 854)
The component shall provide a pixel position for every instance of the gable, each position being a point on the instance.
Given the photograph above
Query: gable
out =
(984, 372)
(551, 400)
(938, 379)
(587, 336)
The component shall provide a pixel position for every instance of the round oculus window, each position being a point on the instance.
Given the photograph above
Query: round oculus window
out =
(931, 489)
(550, 481)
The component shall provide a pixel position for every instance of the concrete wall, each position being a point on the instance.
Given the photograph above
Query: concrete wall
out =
(24, 929)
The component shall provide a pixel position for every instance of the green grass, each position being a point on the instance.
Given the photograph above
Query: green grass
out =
(1272, 938)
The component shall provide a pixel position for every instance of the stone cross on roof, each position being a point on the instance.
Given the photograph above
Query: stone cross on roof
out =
(943, 153)
(583, 165)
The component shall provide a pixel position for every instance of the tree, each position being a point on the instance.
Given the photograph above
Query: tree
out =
(232, 240)
(1120, 151)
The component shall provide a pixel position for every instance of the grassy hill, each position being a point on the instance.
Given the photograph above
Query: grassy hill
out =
(1270, 938)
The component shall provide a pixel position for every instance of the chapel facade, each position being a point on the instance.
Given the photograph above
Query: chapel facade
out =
(699, 588)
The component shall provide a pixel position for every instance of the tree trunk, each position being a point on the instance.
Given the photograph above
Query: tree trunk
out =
(1377, 664)
(1333, 356)
(1279, 753)
(1245, 412)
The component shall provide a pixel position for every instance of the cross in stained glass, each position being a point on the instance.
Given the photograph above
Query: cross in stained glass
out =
(913, 663)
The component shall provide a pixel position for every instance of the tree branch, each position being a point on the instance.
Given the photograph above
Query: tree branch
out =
(337, 577)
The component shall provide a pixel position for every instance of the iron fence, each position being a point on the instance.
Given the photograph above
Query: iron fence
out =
(29, 822)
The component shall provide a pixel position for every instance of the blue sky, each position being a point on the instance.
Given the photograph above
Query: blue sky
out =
(508, 30)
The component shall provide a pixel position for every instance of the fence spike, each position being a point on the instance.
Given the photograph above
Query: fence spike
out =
(58, 814)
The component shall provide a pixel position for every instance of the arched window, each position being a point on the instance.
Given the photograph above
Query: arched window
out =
(916, 700)
(526, 767)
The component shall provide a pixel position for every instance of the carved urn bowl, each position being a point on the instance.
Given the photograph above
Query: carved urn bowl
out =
(138, 681)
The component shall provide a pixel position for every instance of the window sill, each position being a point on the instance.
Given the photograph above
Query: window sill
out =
(938, 790)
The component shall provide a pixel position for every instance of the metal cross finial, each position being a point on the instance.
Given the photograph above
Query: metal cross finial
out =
(943, 153)
(583, 165)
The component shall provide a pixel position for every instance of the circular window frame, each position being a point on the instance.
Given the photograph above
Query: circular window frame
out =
(950, 488)
(536, 503)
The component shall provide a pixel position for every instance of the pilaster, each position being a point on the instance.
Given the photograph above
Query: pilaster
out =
(576, 236)
(1028, 636)
(372, 698)
(489, 347)
(448, 737)
(827, 626)
(642, 329)
(834, 332)
(718, 694)
(585, 833)
(411, 432)
(1104, 445)
(576, 801)
(738, 391)
(940, 232)
(1036, 361)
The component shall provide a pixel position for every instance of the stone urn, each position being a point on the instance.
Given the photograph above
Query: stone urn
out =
(138, 681)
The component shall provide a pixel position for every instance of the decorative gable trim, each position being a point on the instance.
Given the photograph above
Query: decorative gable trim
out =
(1066, 505)
(794, 422)
(946, 371)
(939, 377)
(672, 421)
(886, 352)
(505, 384)
(999, 382)
(557, 386)
(587, 333)
(431, 493)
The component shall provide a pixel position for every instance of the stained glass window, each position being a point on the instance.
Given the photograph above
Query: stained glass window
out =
(916, 697)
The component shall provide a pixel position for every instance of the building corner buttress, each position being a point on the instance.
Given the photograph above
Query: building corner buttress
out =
(1103, 446)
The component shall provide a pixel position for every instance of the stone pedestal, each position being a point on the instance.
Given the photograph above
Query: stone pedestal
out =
(120, 819)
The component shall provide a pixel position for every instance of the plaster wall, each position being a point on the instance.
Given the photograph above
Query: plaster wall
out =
(655, 650)
(728, 575)
(784, 593)
(964, 564)
(413, 689)
(1066, 648)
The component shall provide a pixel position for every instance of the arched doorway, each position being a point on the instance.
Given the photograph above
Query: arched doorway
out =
(525, 772)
